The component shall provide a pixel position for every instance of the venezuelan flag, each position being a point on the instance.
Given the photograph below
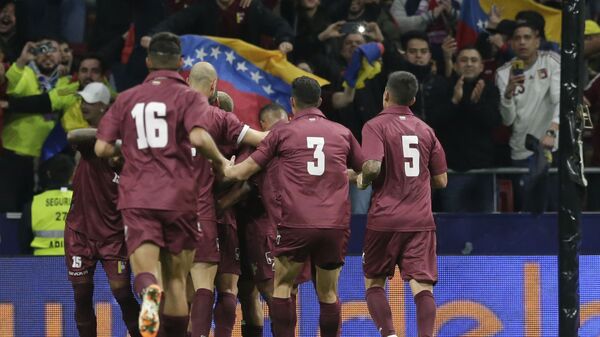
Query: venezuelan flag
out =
(474, 16)
(252, 76)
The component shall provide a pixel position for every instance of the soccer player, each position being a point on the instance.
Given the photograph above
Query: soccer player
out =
(94, 225)
(400, 225)
(159, 121)
(227, 130)
(312, 152)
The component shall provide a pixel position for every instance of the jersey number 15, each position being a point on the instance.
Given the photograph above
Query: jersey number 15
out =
(151, 125)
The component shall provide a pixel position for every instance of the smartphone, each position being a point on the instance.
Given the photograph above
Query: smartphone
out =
(352, 28)
(518, 67)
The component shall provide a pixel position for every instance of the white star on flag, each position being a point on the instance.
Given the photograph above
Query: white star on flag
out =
(256, 76)
(268, 89)
(481, 24)
(214, 52)
(188, 62)
(200, 54)
(229, 56)
(241, 66)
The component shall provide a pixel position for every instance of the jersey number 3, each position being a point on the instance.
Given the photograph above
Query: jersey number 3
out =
(411, 168)
(151, 125)
(318, 168)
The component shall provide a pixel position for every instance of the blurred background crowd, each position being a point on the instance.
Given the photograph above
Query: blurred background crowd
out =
(492, 99)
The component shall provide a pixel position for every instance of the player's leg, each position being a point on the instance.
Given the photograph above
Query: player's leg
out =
(227, 279)
(252, 311)
(419, 266)
(329, 304)
(81, 274)
(328, 264)
(113, 255)
(282, 309)
(224, 313)
(144, 238)
(176, 269)
(379, 261)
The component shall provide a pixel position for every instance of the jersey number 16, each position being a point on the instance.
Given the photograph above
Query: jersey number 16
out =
(151, 125)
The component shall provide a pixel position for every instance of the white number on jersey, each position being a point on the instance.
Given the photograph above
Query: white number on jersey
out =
(411, 168)
(150, 124)
(318, 168)
(76, 262)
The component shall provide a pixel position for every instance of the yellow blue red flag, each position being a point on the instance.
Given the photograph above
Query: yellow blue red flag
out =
(252, 76)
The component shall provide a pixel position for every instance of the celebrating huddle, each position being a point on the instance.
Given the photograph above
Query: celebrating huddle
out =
(175, 217)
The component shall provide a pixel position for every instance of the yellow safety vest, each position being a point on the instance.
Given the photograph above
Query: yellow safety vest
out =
(48, 214)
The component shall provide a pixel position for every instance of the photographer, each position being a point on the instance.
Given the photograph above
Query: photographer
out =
(530, 91)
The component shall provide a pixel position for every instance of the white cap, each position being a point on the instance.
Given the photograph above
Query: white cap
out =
(95, 92)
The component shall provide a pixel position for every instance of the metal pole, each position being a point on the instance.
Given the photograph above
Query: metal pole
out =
(571, 179)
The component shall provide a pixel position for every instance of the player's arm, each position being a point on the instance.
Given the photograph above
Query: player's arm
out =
(236, 194)
(201, 140)
(241, 171)
(439, 181)
(253, 137)
(370, 171)
(105, 149)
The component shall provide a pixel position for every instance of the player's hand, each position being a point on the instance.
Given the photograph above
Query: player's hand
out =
(227, 167)
(477, 91)
(332, 31)
(145, 41)
(458, 90)
(359, 182)
(286, 47)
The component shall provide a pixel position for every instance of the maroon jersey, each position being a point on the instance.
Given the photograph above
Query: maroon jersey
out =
(95, 193)
(226, 129)
(153, 120)
(410, 154)
(313, 156)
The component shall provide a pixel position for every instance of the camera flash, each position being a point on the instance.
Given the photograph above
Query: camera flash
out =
(361, 29)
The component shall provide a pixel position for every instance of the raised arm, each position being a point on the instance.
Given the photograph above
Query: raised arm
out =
(241, 171)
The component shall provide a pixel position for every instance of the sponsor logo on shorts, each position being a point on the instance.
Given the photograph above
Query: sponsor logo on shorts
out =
(78, 273)
(237, 254)
(116, 178)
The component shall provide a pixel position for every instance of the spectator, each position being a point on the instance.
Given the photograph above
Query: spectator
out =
(473, 110)
(34, 72)
(355, 10)
(494, 46)
(309, 19)
(386, 22)
(530, 93)
(10, 41)
(43, 221)
(414, 56)
(227, 18)
(66, 56)
(539, 23)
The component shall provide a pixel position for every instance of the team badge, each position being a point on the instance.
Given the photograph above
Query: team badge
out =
(542, 73)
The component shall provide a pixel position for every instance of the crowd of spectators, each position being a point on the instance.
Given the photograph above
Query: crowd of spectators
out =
(492, 104)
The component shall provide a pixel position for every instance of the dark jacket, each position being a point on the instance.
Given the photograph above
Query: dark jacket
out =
(465, 129)
(203, 19)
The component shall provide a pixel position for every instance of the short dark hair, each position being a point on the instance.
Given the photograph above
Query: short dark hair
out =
(468, 47)
(411, 35)
(56, 171)
(535, 19)
(529, 25)
(93, 56)
(306, 91)
(165, 50)
(402, 86)
(270, 108)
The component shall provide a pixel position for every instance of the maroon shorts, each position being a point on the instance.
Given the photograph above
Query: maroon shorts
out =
(259, 255)
(326, 248)
(413, 253)
(173, 230)
(229, 247)
(82, 254)
(207, 248)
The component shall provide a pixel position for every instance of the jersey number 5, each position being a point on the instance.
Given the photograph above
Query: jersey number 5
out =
(411, 168)
(318, 168)
(150, 124)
